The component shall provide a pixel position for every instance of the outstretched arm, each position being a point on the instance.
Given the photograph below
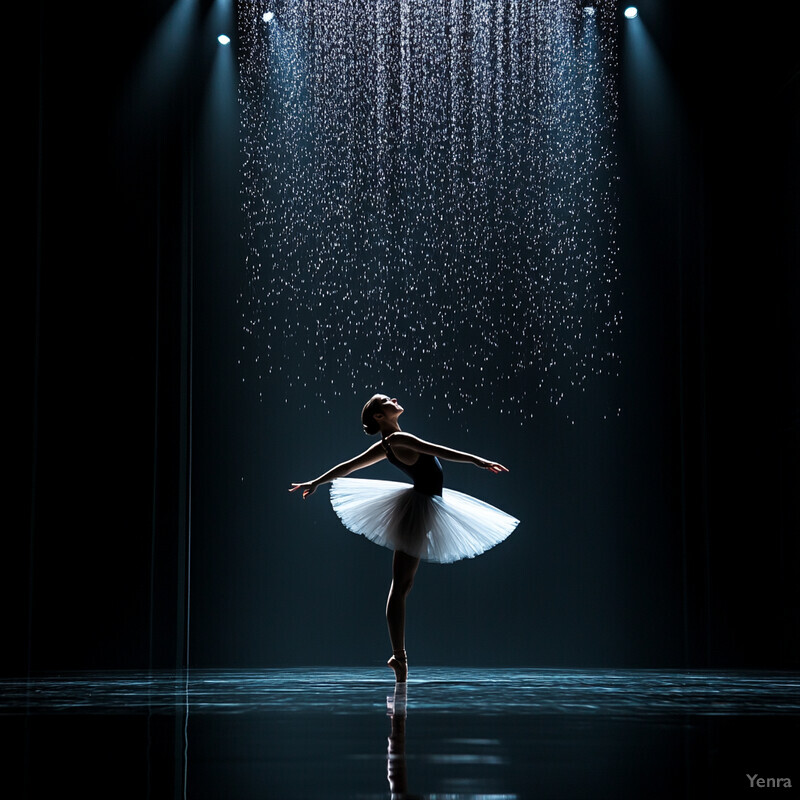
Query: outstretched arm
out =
(366, 459)
(408, 441)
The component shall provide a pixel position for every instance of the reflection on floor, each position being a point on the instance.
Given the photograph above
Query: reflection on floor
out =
(452, 733)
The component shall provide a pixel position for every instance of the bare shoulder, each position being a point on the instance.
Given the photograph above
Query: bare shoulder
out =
(371, 455)
(373, 451)
(402, 439)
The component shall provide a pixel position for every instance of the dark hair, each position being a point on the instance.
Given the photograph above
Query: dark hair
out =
(367, 414)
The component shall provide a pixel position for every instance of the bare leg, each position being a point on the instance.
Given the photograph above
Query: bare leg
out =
(404, 567)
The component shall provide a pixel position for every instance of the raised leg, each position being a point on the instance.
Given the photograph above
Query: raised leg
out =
(404, 568)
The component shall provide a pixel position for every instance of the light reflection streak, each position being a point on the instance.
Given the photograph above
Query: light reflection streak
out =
(633, 693)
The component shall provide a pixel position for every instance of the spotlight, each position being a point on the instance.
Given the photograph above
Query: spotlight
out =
(223, 39)
(631, 12)
(268, 16)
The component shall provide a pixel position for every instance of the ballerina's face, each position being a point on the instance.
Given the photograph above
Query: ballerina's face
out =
(389, 408)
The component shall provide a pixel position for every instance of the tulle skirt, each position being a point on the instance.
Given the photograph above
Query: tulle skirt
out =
(441, 529)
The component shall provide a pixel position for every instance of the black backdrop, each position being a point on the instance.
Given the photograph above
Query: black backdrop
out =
(665, 537)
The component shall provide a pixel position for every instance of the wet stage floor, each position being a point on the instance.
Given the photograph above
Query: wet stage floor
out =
(452, 733)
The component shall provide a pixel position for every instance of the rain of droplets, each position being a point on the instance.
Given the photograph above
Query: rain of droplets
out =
(430, 197)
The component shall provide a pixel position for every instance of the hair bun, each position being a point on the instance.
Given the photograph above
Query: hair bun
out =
(368, 423)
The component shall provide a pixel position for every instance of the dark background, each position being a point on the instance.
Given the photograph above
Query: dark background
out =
(666, 536)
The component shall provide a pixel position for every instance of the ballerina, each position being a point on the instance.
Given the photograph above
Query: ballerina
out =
(420, 522)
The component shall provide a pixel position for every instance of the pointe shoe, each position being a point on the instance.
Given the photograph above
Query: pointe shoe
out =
(399, 663)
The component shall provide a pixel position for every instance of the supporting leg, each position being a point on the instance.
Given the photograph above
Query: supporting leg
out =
(404, 568)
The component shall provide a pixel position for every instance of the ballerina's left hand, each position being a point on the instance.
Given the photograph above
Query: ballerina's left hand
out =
(308, 488)
(493, 466)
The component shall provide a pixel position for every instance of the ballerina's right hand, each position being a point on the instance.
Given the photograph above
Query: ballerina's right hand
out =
(308, 488)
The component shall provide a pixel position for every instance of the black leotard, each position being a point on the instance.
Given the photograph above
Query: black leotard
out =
(426, 471)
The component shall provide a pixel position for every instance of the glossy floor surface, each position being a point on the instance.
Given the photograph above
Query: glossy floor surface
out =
(450, 733)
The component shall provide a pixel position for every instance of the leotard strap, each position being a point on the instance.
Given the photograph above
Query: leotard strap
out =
(386, 446)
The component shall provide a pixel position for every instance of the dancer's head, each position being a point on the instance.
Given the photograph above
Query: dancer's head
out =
(379, 409)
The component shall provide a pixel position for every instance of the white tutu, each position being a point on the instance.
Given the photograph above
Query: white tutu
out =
(441, 529)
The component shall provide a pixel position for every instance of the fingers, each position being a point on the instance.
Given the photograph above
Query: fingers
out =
(306, 487)
(497, 468)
